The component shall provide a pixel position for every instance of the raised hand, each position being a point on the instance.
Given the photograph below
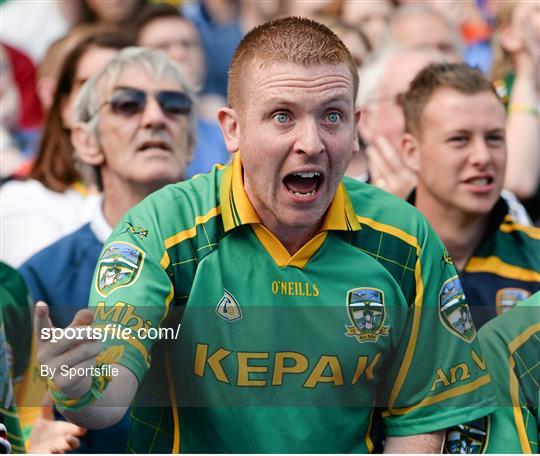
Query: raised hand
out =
(59, 351)
(388, 170)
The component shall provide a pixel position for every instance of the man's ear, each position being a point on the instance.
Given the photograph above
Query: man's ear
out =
(230, 127)
(86, 145)
(356, 145)
(364, 125)
(410, 152)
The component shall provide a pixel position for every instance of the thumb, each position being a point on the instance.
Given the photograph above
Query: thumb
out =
(83, 317)
(41, 317)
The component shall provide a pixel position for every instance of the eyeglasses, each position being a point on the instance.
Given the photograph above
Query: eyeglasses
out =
(127, 102)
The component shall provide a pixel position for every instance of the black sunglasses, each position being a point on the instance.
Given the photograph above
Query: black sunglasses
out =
(127, 102)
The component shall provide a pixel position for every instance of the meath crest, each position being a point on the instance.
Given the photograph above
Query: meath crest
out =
(470, 438)
(365, 307)
(506, 298)
(119, 266)
(454, 311)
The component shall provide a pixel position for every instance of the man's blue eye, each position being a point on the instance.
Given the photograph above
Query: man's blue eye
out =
(333, 117)
(282, 118)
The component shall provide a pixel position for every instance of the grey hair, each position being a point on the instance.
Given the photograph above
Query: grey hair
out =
(87, 103)
(375, 68)
(405, 12)
(155, 63)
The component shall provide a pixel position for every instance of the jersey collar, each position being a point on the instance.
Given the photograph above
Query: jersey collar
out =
(237, 210)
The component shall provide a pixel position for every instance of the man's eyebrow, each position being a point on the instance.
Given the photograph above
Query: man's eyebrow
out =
(279, 100)
(338, 99)
(123, 87)
(496, 130)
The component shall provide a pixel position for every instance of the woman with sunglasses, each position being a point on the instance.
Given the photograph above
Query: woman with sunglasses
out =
(51, 203)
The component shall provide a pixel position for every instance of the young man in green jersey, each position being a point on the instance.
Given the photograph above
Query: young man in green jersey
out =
(511, 345)
(455, 142)
(299, 304)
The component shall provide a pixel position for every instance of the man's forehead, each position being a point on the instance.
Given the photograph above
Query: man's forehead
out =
(138, 77)
(465, 108)
(181, 26)
(277, 73)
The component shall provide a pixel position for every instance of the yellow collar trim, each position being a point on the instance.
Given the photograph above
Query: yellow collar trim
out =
(237, 210)
(280, 254)
(341, 215)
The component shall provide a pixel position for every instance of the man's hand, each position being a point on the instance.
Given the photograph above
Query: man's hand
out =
(430, 443)
(118, 394)
(50, 436)
(66, 353)
(387, 169)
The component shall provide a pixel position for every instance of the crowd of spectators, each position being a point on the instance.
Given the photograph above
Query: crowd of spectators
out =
(47, 192)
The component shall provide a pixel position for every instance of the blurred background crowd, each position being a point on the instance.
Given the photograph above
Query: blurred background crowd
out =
(49, 48)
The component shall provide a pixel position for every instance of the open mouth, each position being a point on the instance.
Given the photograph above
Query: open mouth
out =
(480, 181)
(303, 184)
(154, 145)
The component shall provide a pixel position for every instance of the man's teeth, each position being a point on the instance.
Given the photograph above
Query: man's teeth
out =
(308, 175)
(480, 181)
(311, 193)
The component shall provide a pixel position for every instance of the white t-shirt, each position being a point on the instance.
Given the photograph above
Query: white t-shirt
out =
(23, 22)
(32, 217)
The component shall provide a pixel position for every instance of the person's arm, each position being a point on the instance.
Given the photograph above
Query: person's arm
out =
(66, 353)
(523, 127)
(421, 443)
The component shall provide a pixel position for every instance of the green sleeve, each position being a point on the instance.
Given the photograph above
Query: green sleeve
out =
(131, 289)
(439, 376)
(8, 409)
(511, 343)
(17, 314)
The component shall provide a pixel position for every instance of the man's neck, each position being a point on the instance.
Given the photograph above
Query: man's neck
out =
(358, 168)
(293, 240)
(119, 197)
(460, 232)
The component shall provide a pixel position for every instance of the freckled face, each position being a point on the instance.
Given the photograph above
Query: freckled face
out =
(297, 137)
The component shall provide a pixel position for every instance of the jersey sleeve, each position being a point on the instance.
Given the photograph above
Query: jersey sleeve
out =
(438, 375)
(131, 292)
(17, 314)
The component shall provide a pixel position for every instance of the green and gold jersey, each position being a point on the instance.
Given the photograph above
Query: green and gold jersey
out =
(15, 342)
(511, 345)
(504, 268)
(364, 331)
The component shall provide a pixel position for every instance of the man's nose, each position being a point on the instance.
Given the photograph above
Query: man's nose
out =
(309, 141)
(152, 114)
(481, 154)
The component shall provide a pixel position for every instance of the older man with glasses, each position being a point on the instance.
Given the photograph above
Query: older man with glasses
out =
(134, 134)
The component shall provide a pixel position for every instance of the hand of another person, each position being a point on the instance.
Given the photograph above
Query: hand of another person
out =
(50, 436)
(388, 170)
